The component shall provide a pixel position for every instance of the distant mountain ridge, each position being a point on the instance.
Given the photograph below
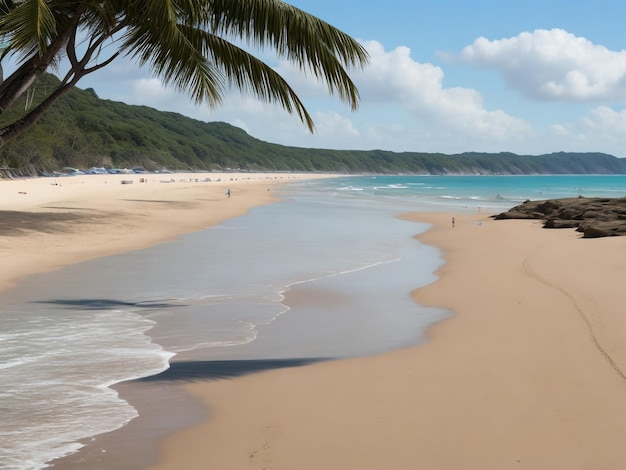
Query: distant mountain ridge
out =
(83, 131)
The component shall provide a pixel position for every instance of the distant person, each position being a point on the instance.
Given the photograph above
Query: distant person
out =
(453, 221)
(228, 192)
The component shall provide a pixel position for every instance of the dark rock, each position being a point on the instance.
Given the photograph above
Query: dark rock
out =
(514, 215)
(558, 223)
(593, 217)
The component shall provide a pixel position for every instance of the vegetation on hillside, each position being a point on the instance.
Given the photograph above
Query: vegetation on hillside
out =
(191, 46)
(83, 131)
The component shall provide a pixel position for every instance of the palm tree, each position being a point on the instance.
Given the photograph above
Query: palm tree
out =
(190, 45)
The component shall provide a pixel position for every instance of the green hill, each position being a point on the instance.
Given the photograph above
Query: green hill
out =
(82, 131)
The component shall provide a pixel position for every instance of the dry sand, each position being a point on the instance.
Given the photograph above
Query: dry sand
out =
(528, 373)
(46, 223)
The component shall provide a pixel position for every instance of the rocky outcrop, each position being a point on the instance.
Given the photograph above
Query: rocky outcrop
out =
(594, 217)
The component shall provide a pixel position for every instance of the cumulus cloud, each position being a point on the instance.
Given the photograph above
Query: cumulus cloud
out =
(394, 77)
(602, 129)
(333, 124)
(553, 65)
(404, 106)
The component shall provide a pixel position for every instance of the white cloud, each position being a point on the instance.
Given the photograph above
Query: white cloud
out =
(602, 129)
(331, 124)
(394, 77)
(553, 65)
(424, 109)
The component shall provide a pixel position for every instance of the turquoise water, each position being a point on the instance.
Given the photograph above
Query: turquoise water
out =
(66, 336)
(490, 193)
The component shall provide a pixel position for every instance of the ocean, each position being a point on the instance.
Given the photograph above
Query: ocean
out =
(68, 335)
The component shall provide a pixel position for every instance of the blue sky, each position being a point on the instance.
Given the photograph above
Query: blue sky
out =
(528, 77)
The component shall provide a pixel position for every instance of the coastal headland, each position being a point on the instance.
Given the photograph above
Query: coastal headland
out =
(530, 371)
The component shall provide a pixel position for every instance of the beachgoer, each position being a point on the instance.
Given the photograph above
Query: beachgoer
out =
(228, 192)
(453, 221)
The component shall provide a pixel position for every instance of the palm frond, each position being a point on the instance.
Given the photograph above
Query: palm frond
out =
(189, 44)
(165, 48)
(101, 18)
(6, 6)
(186, 43)
(302, 38)
(29, 26)
(249, 74)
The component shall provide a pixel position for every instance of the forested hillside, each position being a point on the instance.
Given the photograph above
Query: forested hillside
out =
(83, 131)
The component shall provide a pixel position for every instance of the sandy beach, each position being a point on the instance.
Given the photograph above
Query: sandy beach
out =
(53, 222)
(49, 223)
(528, 373)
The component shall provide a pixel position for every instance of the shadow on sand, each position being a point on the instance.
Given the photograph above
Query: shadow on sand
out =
(106, 304)
(190, 371)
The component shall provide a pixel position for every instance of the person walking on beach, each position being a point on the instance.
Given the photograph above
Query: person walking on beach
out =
(228, 192)
(452, 221)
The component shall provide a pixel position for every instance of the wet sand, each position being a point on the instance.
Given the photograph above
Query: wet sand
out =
(528, 373)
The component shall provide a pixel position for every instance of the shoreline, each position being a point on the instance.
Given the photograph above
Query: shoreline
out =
(527, 373)
(55, 222)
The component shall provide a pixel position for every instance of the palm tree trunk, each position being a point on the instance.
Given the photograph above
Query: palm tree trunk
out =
(18, 82)
(21, 125)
